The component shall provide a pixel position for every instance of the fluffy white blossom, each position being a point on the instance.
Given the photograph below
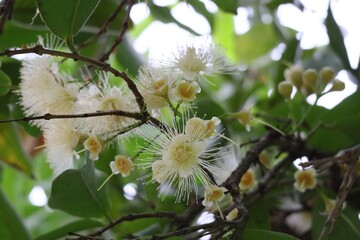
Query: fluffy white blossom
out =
(155, 84)
(60, 140)
(197, 57)
(180, 160)
(104, 98)
(44, 90)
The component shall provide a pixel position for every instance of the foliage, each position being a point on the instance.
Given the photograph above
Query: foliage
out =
(240, 124)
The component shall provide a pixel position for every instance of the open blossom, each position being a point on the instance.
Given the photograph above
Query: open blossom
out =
(197, 57)
(213, 194)
(94, 146)
(122, 164)
(104, 99)
(181, 160)
(61, 139)
(248, 180)
(186, 91)
(305, 179)
(57, 94)
(155, 85)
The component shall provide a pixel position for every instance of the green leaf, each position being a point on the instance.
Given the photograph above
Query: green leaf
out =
(227, 5)
(11, 151)
(65, 18)
(128, 58)
(75, 226)
(256, 234)
(337, 39)
(75, 192)
(5, 83)
(253, 44)
(344, 225)
(259, 215)
(11, 225)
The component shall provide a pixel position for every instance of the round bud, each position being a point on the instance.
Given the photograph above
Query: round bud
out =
(337, 85)
(310, 77)
(294, 75)
(327, 74)
(285, 89)
(187, 91)
(244, 117)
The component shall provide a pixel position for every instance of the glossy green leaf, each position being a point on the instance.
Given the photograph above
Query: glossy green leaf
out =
(65, 18)
(258, 41)
(11, 225)
(11, 151)
(5, 83)
(75, 226)
(256, 234)
(75, 192)
(227, 5)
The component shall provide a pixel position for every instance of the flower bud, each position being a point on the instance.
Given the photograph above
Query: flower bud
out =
(187, 91)
(196, 128)
(294, 75)
(248, 181)
(310, 77)
(232, 215)
(213, 194)
(285, 89)
(244, 117)
(94, 146)
(327, 74)
(123, 165)
(338, 85)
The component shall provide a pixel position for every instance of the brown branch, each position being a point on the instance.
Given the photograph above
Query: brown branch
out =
(123, 30)
(133, 217)
(105, 26)
(6, 12)
(40, 50)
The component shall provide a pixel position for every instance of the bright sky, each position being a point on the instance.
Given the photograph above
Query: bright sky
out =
(160, 38)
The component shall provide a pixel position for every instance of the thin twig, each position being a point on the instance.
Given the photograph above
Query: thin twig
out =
(105, 26)
(123, 30)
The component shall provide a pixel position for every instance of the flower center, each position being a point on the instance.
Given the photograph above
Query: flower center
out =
(181, 154)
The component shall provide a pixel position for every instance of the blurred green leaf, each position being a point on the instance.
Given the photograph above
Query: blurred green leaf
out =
(75, 192)
(65, 18)
(164, 14)
(75, 226)
(227, 5)
(256, 234)
(259, 215)
(342, 227)
(11, 151)
(11, 225)
(337, 40)
(274, 4)
(5, 83)
(259, 40)
(128, 58)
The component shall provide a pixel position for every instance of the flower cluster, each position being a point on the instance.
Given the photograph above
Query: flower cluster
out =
(46, 90)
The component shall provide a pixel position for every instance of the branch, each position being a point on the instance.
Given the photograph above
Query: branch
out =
(6, 12)
(40, 50)
(123, 29)
(133, 217)
(104, 27)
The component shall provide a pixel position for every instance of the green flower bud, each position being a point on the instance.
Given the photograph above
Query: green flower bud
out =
(244, 117)
(337, 85)
(285, 89)
(327, 74)
(294, 75)
(310, 77)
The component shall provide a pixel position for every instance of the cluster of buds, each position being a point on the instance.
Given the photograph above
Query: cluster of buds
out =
(309, 81)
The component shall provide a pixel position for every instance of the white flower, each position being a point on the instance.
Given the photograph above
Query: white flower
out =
(154, 84)
(105, 99)
(180, 160)
(199, 56)
(186, 91)
(300, 222)
(305, 179)
(122, 164)
(213, 194)
(44, 90)
(248, 180)
(60, 140)
(94, 146)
